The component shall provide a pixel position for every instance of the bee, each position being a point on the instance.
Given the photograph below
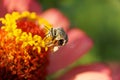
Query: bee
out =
(56, 38)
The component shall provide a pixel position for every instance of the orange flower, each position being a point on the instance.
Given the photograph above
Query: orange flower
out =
(79, 43)
(23, 50)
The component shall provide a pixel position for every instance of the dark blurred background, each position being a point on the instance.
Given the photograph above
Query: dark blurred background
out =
(100, 19)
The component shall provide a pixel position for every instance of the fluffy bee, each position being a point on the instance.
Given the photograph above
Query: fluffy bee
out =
(57, 38)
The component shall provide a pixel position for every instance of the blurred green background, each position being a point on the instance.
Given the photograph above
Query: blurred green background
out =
(100, 19)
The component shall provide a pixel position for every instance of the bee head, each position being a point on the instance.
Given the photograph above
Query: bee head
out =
(60, 38)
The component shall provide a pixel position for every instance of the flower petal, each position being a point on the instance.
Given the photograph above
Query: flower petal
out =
(115, 67)
(78, 45)
(2, 9)
(88, 72)
(34, 6)
(56, 18)
(22, 5)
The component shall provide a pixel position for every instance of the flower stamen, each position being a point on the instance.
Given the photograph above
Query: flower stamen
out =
(23, 50)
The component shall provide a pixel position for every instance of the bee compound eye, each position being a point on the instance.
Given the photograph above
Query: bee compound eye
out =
(61, 42)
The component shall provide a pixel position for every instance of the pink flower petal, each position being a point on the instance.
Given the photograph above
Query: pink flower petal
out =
(87, 76)
(78, 45)
(56, 18)
(3, 9)
(115, 67)
(34, 6)
(22, 5)
(88, 72)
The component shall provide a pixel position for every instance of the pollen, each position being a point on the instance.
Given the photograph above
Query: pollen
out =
(23, 50)
(25, 27)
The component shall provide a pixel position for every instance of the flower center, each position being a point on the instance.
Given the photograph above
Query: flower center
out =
(23, 53)
(30, 26)
(27, 28)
